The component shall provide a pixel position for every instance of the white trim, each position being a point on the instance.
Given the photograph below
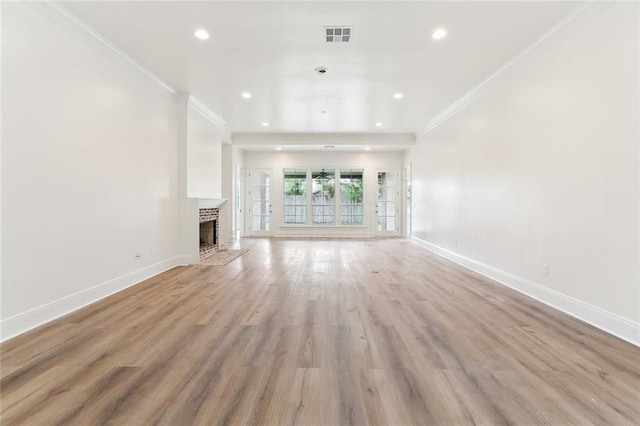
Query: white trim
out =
(204, 111)
(478, 90)
(320, 226)
(67, 19)
(186, 260)
(35, 317)
(611, 323)
(210, 203)
(60, 14)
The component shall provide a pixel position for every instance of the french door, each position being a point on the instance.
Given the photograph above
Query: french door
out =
(407, 202)
(239, 229)
(388, 203)
(260, 207)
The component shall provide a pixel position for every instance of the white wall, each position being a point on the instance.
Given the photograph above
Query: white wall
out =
(204, 157)
(276, 161)
(89, 171)
(543, 169)
(226, 231)
(238, 196)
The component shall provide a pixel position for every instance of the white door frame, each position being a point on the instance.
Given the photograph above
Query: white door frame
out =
(397, 204)
(238, 232)
(249, 204)
(406, 201)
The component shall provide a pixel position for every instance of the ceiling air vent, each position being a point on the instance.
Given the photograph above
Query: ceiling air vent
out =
(337, 34)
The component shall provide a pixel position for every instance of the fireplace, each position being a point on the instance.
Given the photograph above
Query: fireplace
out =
(209, 231)
(208, 235)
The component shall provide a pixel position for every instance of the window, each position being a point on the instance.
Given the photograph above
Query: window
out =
(323, 196)
(295, 196)
(309, 196)
(351, 205)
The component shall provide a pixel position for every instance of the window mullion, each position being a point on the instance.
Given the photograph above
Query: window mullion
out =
(309, 220)
(337, 216)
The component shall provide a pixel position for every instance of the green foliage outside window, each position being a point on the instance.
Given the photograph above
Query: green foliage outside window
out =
(352, 191)
(295, 187)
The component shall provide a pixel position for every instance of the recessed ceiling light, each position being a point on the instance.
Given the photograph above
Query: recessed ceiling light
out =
(278, 149)
(246, 95)
(265, 124)
(378, 124)
(367, 149)
(201, 34)
(398, 96)
(439, 33)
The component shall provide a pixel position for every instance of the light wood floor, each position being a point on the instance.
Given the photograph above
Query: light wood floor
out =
(320, 332)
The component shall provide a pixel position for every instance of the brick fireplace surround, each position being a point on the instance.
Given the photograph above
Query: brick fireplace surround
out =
(209, 221)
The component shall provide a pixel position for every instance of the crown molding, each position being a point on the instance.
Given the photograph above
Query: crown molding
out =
(481, 88)
(215, 119)
(76, 25)
(211, 116)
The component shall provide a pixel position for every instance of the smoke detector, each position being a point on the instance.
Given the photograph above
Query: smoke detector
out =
(339, 34)
(320, 70)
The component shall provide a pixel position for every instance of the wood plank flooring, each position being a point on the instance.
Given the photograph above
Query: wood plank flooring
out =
(322, 332)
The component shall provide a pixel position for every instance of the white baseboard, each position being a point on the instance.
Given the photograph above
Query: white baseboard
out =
(185, 260)
(33, 318)
(611, 323)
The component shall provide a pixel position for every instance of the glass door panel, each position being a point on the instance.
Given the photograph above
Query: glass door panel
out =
(387, 203)
(260, 204)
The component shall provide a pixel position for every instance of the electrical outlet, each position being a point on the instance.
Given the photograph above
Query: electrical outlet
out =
(545, 270)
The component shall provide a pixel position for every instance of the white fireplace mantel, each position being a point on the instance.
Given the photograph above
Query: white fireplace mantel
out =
(210, 203)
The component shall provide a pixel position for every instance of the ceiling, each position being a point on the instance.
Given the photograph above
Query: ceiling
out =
(270, 49)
